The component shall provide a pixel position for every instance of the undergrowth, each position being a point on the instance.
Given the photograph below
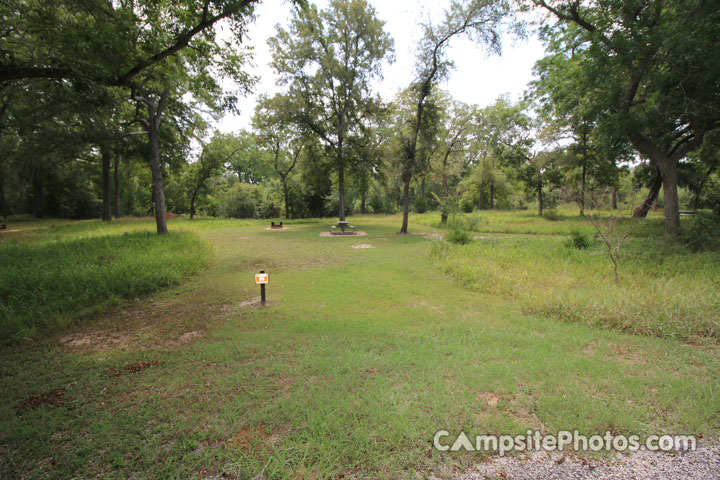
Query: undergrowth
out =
(47, 282)
(665, 290)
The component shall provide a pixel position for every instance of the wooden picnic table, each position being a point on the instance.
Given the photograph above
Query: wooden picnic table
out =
(344, 226)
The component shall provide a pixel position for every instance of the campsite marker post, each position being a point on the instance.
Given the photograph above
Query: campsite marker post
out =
(262, 279)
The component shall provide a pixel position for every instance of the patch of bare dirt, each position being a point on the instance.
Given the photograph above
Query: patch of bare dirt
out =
(429, 235)
(133, 368)
(627, 355)
(246, 436)
(343, 235)
(491, 399)
(243, 238)
(589, 349)
(248, 303)
(362, 245)
(53, 397)
(100, 340)
(229, 309)
(189, 336)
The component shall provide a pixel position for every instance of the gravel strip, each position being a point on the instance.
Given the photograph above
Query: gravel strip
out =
(700, 464)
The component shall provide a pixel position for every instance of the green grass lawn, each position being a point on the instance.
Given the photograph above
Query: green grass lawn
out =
(360, 356)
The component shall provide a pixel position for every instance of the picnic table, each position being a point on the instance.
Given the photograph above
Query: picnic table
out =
(344, 227)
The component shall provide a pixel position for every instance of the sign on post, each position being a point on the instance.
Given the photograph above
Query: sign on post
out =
(262, 279)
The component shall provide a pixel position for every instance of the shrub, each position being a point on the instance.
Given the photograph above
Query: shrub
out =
(458, 235)
(702, 232)
(241, 201)
(578, 239)
(551, 215)
(420, 205)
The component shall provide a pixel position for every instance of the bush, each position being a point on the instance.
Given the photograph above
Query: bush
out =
(578, 239)
(420, 205)
(241, 201)
(702, 232)
(458, 235)
(551, 215)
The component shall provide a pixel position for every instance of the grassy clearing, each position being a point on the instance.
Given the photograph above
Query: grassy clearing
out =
(665, 289)
(563, 222)
(360, 357)
(63, 273)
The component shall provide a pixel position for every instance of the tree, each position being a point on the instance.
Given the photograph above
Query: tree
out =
(452, 153)
(652, 67)
(540, 173)
(503, 141)
(107, 43)
(253, 163)
(477, 18)
(213, 158)
(159, 50)
(328, 59)
(705, 162)
(278, 134)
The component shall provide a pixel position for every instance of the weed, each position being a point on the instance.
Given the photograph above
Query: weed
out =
(579, 240)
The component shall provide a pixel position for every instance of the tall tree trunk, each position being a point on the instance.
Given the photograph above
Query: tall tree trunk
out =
(539, 196)
(492, 196)
(642, 210)
(667, 163)
(406, 206)
(582, 184)
(193, 196)
(287, 197)
(37, 194)
(157, 179)
(341, 191)
(105, 156)
(671, 203)
(155, 109)
(3, 204)
(614, 198)
(116, 187)
(363, 197)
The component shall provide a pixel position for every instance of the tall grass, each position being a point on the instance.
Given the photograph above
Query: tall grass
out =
(48, 280)
(563, 222)
(664, 290)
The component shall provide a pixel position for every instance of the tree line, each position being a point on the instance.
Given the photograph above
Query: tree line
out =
(106, 108)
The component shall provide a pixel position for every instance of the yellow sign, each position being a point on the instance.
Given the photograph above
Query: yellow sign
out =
(261, 278)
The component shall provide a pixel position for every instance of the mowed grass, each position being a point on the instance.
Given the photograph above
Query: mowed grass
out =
(359, 358)
(62, 273)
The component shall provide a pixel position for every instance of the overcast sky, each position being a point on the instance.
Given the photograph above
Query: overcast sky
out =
(477, 79)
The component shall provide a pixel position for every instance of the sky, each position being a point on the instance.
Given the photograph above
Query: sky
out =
(477, 78)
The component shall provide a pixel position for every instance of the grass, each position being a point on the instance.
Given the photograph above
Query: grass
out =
(360, 356)
(55, 277)
(665, 290)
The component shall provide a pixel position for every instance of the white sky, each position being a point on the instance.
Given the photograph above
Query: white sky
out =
(477, 78)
